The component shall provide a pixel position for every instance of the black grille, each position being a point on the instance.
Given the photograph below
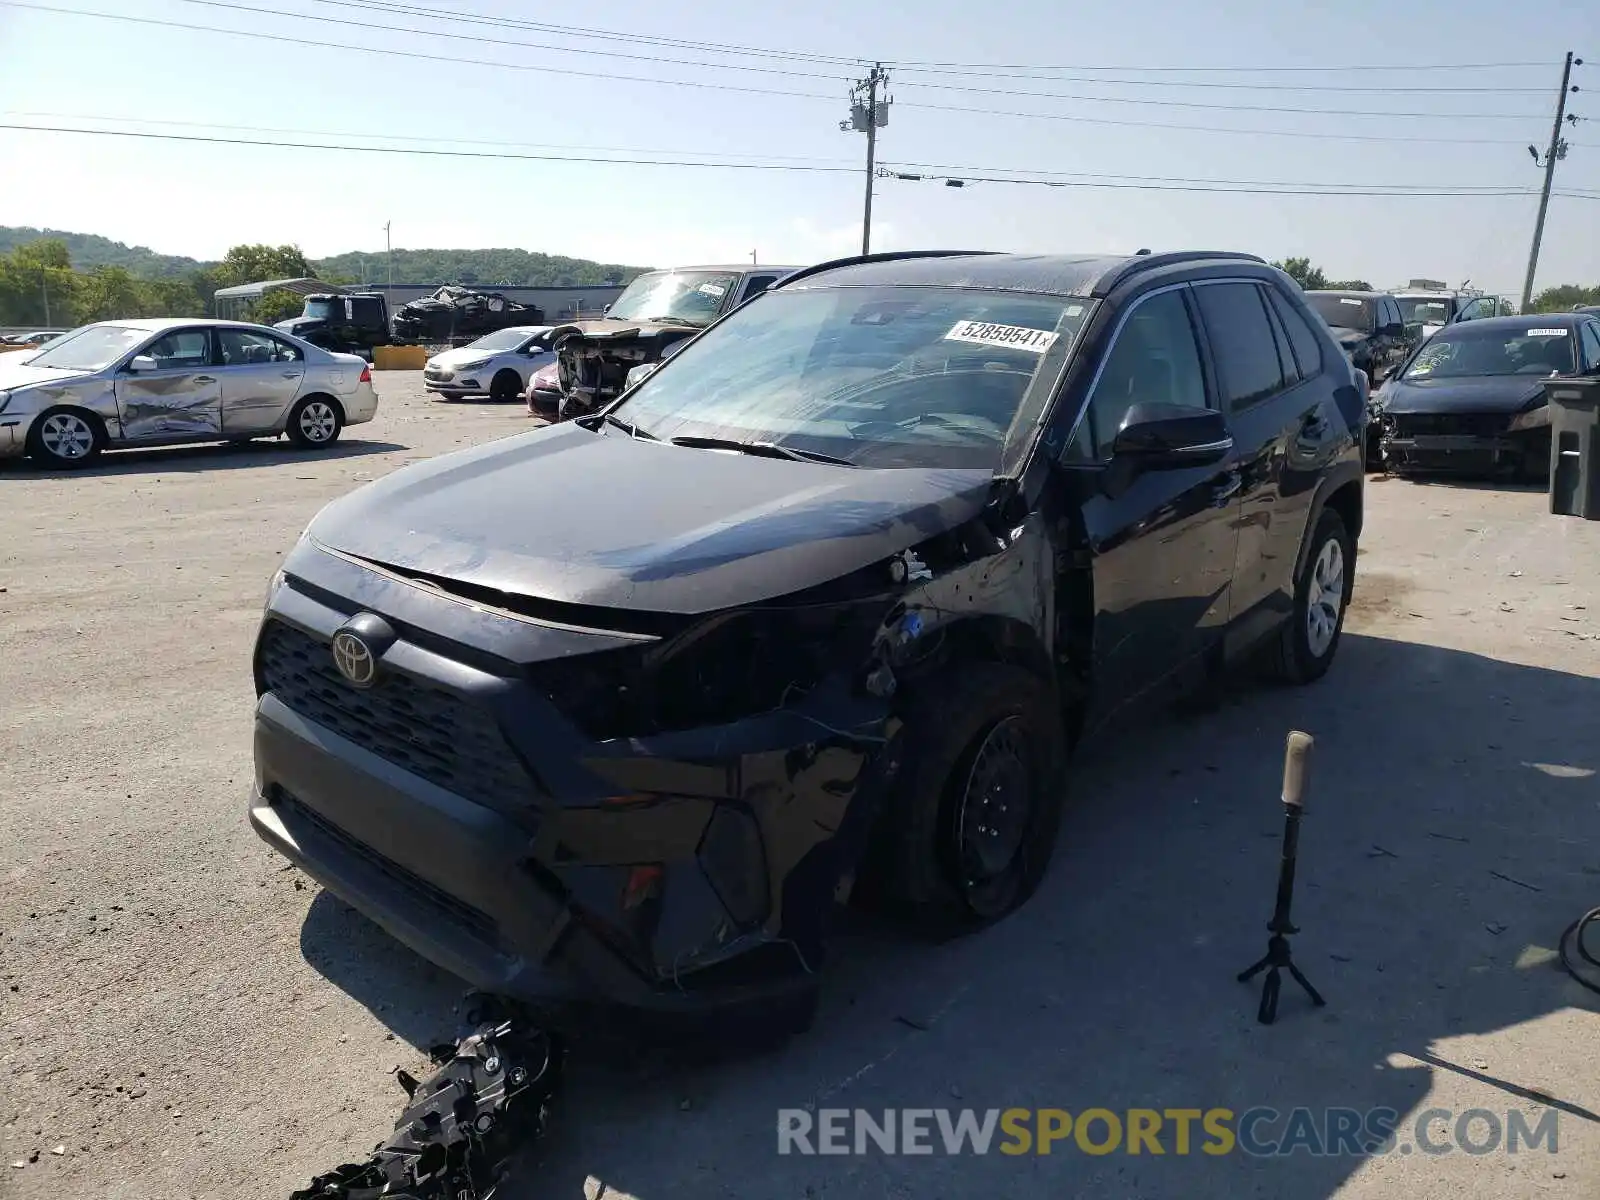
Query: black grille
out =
(475, 920)
(424, 729)
(1485, 425)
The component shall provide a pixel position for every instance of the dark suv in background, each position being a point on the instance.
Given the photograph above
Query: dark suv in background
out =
(835, 592)
(1369, 328)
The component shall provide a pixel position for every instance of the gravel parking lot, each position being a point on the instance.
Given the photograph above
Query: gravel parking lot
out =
(181, 1014)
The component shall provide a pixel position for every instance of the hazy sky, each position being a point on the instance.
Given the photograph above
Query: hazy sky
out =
(195, 198)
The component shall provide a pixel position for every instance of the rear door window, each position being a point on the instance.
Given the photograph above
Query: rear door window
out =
(1302, 339)
(1242, 342)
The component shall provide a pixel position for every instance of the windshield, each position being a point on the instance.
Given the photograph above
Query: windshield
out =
(89, 349)
(1470, 350)
(500, 339)
(877, 376)
(324, 308)
(690, 297)
(1346, 312)
(1424, 310)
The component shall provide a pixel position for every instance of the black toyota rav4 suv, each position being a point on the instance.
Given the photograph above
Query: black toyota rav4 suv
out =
(819, 608)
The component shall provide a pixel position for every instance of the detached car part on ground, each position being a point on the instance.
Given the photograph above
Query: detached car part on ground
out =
(499, 365)
(834, 593)
(171, 381)
(454, 312)
(1471, 398)
(655, 314)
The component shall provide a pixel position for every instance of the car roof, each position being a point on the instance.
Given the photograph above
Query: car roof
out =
(1344, 292)
(734, 268)
(1523, 321)
(157, 324)
(1043, 274)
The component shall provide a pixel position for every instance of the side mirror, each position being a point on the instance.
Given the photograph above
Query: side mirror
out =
(606, 311)
(1161, 436)
(1396, 330)
(143, 362)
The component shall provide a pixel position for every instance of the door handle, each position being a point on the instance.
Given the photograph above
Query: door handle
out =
(205, 378)
(292, 374)
(1227, 489)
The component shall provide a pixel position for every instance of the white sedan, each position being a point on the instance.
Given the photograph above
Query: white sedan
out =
(498, 365)
(173, 380)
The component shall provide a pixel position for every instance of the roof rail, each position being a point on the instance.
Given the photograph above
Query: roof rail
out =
(889, 256)
(1150, 262)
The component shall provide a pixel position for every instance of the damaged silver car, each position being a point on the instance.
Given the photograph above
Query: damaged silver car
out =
(834, 593)
(169, 381)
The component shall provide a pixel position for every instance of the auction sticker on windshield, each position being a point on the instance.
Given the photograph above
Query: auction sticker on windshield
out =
(1547, 333)
(1016, 336)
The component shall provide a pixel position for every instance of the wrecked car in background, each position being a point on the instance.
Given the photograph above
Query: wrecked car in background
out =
(1471, 399)
(655, 313)
(833, 594)
(455, 312)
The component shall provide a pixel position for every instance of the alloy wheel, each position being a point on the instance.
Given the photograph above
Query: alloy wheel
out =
(1325, 598)
(67, 436)
(318, 422)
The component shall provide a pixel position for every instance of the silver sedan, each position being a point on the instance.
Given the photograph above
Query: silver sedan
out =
(173, 380)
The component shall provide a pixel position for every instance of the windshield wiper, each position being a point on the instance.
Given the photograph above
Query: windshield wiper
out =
(761, 450)
(630, 430)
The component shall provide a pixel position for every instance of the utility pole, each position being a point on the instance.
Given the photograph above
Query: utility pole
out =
(1557, 150)
(388, 249)
(868, 114)
(44, 289)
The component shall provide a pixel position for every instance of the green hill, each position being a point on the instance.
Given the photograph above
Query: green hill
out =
(90, 250)
(475, 268)
(478, 268)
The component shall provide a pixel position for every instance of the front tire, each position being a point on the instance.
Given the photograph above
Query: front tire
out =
(66, 438)
(315, 422)
(1305, 647)
(505, 387)
(971, 824)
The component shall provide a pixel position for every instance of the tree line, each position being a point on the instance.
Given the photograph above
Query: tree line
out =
(40, 286)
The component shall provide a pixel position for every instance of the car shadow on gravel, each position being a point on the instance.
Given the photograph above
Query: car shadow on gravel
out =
(211, 456)
(1448, 840)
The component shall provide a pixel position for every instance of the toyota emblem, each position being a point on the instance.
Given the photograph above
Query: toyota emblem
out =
(354, 658)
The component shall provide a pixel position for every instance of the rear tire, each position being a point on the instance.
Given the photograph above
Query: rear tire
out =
(1305, 647)
(505, 387)
(66, 438)
(971, 823)
(315, 422)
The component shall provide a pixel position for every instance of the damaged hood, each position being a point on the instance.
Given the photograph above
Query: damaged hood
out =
(608, 327)
(601, 519)
(1477, 394)
(21, 375)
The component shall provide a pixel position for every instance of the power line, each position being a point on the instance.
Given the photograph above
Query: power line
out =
(575, 158)
(388, 53)
(1273, 108)
(386, 6)
(452, 138)
(491, 41)
(971, 171)
(1294, 133)
(908, 65)
(965, 180)
(1274, 190)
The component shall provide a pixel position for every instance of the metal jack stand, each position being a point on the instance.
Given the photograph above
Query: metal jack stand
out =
(1295, 757)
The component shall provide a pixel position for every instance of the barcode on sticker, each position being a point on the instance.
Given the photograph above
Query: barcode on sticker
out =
(1547, 333)
(1018, 337)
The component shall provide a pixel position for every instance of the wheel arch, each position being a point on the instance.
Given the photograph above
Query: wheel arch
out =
(1342, 491)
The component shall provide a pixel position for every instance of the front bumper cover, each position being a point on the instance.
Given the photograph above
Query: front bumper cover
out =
(664, 876)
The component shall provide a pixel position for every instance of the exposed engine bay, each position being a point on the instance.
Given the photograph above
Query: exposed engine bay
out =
(596, 356)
